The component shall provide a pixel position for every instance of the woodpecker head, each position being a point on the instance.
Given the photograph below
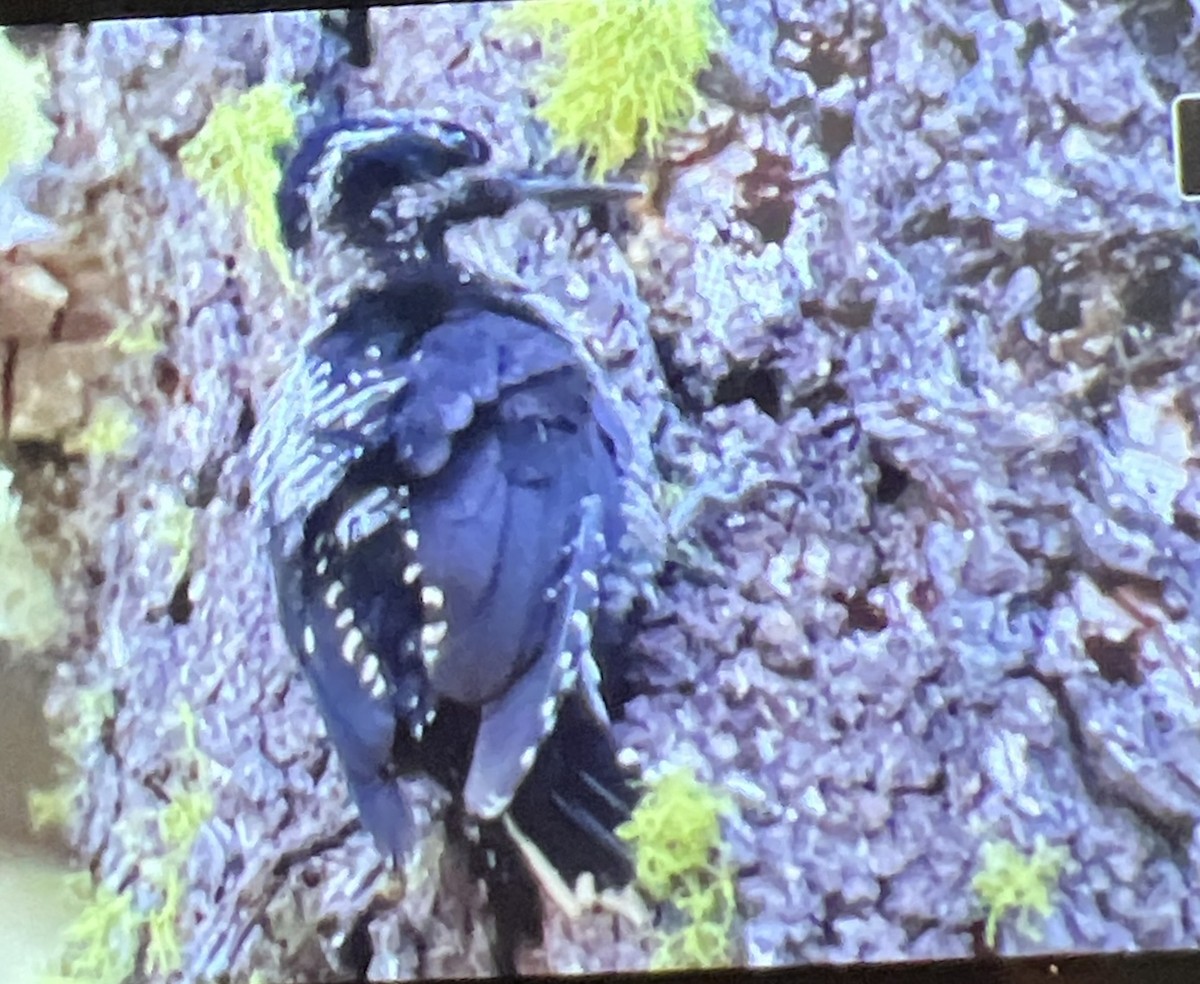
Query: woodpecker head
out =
(392, 183)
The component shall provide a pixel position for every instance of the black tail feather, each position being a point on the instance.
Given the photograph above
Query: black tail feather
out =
(568, 807)
(574, 799)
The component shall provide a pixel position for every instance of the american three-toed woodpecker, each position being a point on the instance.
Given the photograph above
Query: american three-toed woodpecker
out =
(440, 480)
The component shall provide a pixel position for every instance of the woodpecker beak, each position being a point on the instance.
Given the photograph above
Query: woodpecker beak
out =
(559, 193)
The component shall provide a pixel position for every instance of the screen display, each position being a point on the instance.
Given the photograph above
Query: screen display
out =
(597, 485)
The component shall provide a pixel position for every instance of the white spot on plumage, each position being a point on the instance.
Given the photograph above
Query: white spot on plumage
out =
(590, 580)
(342, 404)
(368, 669)
(354, 418)
(412, 539)
(329, 399)
(432, 597)
(591, 689)
(373, 352)
(310, 640)
(527, 758)
(411, 573)
(365, 516)
(345, 618)
(351, 646)
(591, 672)
(433, 633)
(333, 593)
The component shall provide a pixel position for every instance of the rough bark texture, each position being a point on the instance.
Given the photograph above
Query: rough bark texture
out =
(909, 334)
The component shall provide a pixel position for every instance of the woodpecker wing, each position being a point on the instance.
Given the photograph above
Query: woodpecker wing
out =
(514, 726)
(449, 540)
(511, 539)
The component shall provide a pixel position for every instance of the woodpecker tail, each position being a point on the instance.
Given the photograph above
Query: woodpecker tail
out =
(575, 797)
(561, 823)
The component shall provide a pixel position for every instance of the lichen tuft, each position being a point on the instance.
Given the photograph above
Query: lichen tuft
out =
(1012, 880)
(619, 73)
(26, 134)
(109, 433)
(681, 859)
(103, 943)
(136, 337)
(233, 161)
(173, 524)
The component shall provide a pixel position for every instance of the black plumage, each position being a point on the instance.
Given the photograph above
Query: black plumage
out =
(440, 477)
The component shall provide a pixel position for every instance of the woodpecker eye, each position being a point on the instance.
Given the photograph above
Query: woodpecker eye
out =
(469, 145)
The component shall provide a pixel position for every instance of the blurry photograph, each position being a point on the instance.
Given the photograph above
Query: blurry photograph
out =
(596, 486)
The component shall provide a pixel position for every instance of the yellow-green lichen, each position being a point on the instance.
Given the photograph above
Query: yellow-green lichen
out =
(30, 614)
(90, 708)
(101, 944)
(619, 73)
(232, 160)
(25, 132)
(109, 433)
(136, 337)
(50, 808)
(179, 824)
(1014, 880)
(104, 941)
(174, 526)
(681, 858)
